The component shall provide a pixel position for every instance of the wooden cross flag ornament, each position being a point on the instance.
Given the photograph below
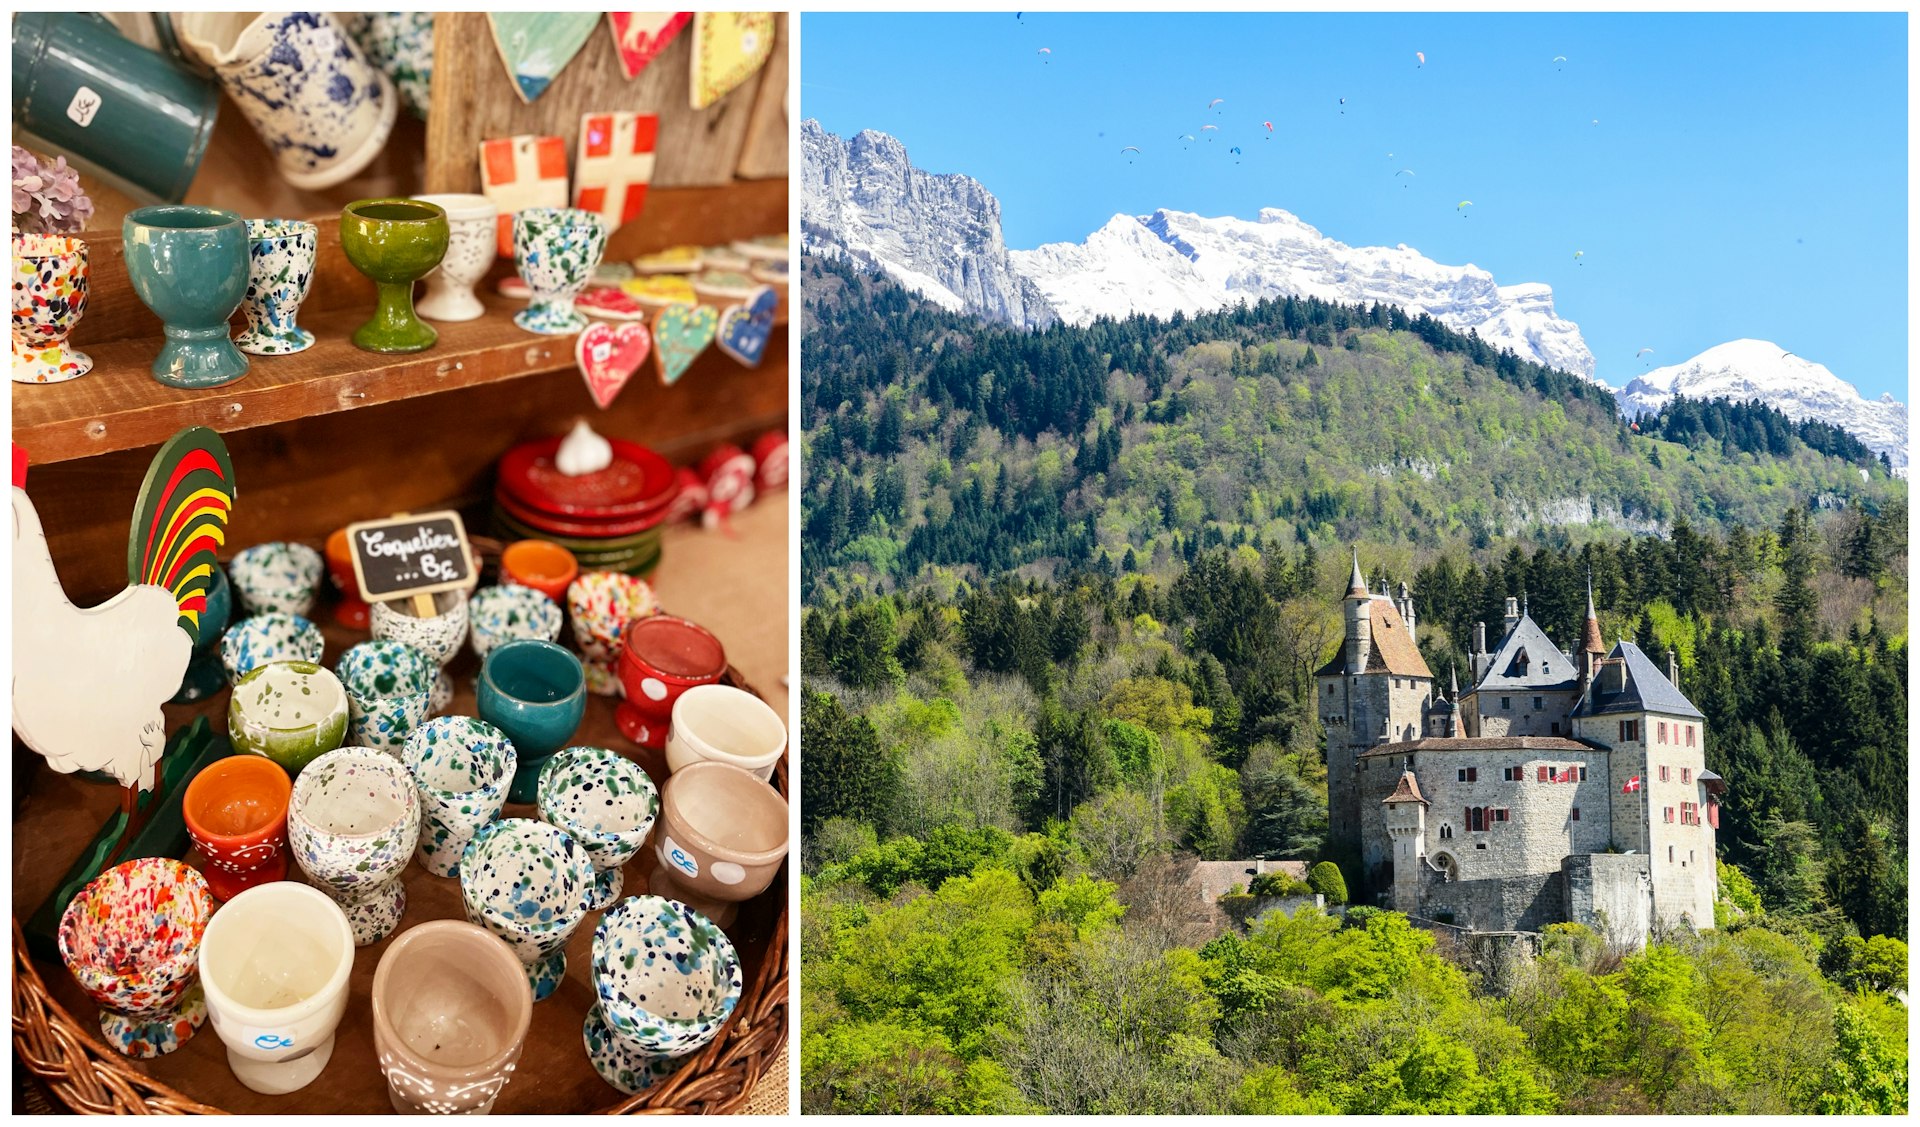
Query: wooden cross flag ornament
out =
(88, 684)
(614, 165)
(522, 171)
(639, 36)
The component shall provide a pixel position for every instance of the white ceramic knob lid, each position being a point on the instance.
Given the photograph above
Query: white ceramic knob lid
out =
(583, 451)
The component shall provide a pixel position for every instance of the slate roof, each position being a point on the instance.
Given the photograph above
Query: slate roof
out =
(1482, 743)
(1547, 667)
(1393, 650)
(1647, 689)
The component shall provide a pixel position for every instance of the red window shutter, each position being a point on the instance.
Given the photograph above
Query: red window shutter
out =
(1713, 814)
(1542, 776)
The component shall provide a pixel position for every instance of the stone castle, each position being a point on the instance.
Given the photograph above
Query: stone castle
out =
(1558, 787)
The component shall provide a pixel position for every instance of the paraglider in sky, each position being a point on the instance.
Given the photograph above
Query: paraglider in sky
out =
(1235, 150)
(1409, 173)
(1187, 137)
(1462, 207)
(1343, 102)
(1131, 149)
(1204, 128)
(1641, 353)
(1577, 256)
(1046, 51)
(1422, 56)
(1559, 59)
(1215, 102)
(1406, 171)
(1269, 126)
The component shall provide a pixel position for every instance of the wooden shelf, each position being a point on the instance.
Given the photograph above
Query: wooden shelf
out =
(120, 406)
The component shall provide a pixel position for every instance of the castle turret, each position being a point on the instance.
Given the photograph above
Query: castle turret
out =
(1359, 628)
(1406, 818)
(1592, 649)
(1406, 610)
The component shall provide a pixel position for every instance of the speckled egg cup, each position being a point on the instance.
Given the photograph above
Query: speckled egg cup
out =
(291, 712)
(556, 249)
(131, 937)
(666, 979)
(389, 691)
(461, 767)
(438, 637)
(528, 883)
(606, 803)
(50, 278)
(509, 613)
(280, 258)
(600, 604)
(281, 577)
(354, 821)
(267, 638)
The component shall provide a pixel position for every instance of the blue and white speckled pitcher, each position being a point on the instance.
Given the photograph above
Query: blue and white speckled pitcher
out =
(303, 83)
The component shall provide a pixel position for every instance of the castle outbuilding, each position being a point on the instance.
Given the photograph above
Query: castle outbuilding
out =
(1558, 787)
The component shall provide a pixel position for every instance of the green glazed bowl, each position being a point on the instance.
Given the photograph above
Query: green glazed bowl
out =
(396, 242)
(292, 712)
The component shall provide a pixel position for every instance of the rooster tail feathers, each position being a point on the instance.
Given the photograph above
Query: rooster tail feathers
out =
(180, 521)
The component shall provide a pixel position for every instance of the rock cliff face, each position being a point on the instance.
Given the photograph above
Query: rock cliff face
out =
(937, 235)
(1798, 388)
(1177, 261)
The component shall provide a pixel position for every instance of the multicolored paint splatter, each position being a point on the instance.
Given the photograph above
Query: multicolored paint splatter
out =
(528, 883)
(354, 822)
(50, 277)
(132, 940)
(279, 272)
(461, 767)
(667, 979)
(604, 801)
(556, 249)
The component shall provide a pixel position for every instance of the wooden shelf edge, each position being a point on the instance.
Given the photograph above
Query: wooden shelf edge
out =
(119, 406)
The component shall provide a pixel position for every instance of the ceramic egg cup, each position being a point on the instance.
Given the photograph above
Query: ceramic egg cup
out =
(189, 265)
(290, 712)
(666, 979)
(438, 637)
(236, 814)
(536, 693)
(721, 839)
(282, 577)
(528, 883)
(509, 613)
(461, 768)
(355, 821)
(50, 279)
(276, 962)
(662, 657)
(556, 249)
(395, 242)
(389, 690)
(604, 802)
(472, 245)
(352, 611)
(724, 724)
(600, 604)
(132, 938)
(281, 254)
(542, 565)
(267, 638)
(451, 1009)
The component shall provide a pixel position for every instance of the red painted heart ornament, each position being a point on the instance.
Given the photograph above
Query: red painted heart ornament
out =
(609, 355)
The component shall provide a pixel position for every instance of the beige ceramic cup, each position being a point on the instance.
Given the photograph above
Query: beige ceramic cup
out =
(275, 962)
(451, 1006)
(720, 839)
(722, 724)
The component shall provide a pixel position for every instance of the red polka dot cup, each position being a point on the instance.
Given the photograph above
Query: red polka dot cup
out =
(236, 814)
(132, 940)
(661, 657)
(50, 278)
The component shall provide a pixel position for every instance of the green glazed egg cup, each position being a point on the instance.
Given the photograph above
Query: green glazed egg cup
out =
(396, 242)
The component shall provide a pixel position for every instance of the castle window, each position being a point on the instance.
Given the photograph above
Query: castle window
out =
(1510, 774)
(1669, 852)
(1629, 731)
(1538, 704)
(1500, 815)
(1666, 773)
(1663, 732)
(1469, 774)
(1686, 774)
(1668, 817)
(1329, 689)
(1556, 727)
(1689, 855)
(1506, 703)
(1446, 831)
(1583, 772)
(1545, 775)
(1576, 813)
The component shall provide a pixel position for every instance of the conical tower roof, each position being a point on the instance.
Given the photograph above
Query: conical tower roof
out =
(1590, 636)
(1358, 585)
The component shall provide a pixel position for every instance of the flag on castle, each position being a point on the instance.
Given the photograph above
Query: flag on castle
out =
(1630, 785)
(1565, 776)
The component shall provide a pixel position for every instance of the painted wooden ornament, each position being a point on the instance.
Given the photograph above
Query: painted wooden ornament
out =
(745, 328)
(729, 473)
(612, 303)
(639, 36)
(680, 333)
(139, 641)
(537, 46)
(519, 172)
(727, 48)
(609, 356)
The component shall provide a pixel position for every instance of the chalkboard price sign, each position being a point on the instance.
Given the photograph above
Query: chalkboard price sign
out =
(410, 555)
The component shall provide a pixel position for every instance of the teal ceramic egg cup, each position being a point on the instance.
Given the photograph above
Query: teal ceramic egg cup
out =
(189, 265)
(396, 242)
(536, 693)
(205, 674)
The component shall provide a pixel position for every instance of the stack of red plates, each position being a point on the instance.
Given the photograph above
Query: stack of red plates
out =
(609, 519)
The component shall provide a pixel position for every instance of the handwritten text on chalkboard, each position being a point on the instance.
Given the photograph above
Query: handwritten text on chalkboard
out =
(412, 555)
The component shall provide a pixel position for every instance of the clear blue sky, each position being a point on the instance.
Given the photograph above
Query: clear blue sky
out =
(1747, 178)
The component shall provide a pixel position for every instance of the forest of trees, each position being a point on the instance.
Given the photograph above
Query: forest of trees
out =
(1066, 591)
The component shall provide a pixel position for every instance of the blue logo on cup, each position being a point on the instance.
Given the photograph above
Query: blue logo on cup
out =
(683, 862)
(272, 1041)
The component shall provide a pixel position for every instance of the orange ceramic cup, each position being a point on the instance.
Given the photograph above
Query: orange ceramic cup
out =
(542, 565)
(236, 813)
(353, 612)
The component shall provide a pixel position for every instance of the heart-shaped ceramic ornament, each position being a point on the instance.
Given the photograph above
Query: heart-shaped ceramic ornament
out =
(609, 356)
(639, 36)
(681, 332)
(744, 328)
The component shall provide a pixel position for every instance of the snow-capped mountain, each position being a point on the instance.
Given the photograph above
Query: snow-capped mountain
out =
(1799, 389)
(938, 235)
(1175, 260)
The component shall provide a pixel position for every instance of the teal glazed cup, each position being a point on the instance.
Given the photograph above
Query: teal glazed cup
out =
(396, 242)
(556, 249)
(189, 265)
(536, 693)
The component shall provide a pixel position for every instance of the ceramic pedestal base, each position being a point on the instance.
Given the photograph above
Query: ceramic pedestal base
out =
(449, 303)
(602, 678)
(154, 1035)
(546, 975)
(394, 327)
(277, 1078)
(375, 912)
(606, 888)
(225, 885)
(205, 677)
(196, 358)
(553, 318)
(721, 912)
(619, 1063)
(526, 780)
(55, 363)
(441, 695)
(636, 726)
(261, 342)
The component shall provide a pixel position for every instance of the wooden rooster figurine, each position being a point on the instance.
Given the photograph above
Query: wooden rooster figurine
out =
(88, 683)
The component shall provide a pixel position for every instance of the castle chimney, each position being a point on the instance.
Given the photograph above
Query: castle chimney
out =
(1673, 670)
(1513, 613)
(1406, 610)
(1477, 660)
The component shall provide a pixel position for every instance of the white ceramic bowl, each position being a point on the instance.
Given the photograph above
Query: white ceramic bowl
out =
(275, 961)
(725, 725)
